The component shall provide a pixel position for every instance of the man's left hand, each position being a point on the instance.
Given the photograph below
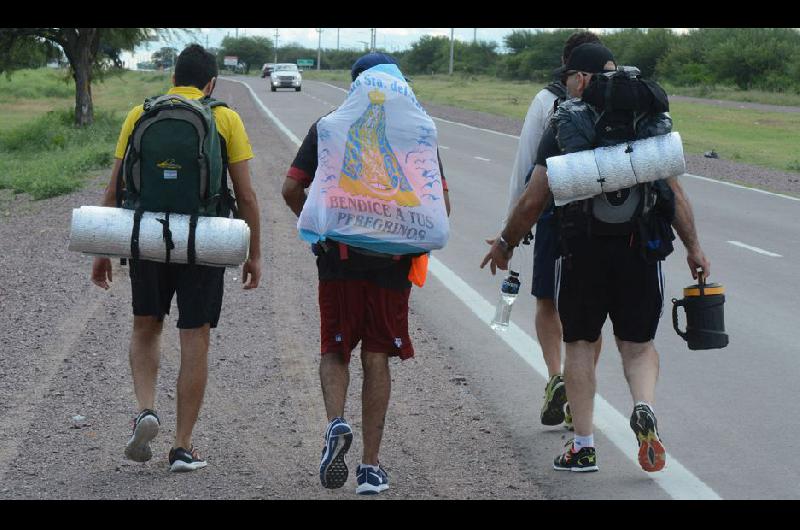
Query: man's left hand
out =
(497, 257)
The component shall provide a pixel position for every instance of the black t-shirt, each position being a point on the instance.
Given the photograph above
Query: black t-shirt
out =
(387, 271)
(548, 146)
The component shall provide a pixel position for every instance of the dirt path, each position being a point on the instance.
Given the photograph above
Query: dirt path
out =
(63, 353)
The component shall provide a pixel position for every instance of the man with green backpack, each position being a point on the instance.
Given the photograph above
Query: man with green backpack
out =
(173, 156)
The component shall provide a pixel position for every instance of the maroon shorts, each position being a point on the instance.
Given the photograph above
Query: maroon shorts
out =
(359, 310)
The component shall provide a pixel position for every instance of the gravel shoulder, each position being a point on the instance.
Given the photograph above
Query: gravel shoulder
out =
(63, 353)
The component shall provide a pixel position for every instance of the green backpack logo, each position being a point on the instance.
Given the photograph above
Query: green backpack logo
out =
(174, 159)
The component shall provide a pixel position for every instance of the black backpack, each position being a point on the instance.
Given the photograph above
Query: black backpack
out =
(615, 108)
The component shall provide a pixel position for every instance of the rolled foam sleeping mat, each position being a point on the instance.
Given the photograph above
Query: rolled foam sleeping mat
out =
(584, 174)
(104, 231)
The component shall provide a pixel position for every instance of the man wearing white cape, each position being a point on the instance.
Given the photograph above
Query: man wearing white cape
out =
(363, 295)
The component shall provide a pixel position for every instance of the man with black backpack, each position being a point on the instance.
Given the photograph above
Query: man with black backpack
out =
(548, 326)
(173, 156)
(611, 246)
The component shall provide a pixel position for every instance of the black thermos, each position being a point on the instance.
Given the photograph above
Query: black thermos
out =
(705, 317)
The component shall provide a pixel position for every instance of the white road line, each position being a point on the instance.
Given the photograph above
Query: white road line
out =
(443, 146)
(476, 128)
(731, 184)
(333, 86)
(755, 249)
(481, 158)
(269, 114)
(675, 479)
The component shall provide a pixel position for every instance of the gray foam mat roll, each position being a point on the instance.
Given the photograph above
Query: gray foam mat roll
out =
(104, 231)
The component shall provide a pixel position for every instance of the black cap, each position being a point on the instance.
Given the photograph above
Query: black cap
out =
(590, 58)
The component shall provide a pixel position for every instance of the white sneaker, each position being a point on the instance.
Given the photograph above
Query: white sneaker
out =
(182, 460)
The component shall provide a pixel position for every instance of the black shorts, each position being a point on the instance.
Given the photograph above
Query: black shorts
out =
(607, 276)
(544, 257)
(199, 290)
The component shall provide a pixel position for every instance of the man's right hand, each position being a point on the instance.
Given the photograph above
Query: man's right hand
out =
(101, 272)
(697, 259)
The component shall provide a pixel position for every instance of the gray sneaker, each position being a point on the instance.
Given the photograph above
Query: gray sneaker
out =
(145, 428)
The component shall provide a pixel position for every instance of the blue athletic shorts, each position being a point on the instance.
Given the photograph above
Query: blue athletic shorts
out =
(544, 257)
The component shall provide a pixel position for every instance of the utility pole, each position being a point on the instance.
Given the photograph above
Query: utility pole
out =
(374, 33)
(450, 72)
(319, 48)
(237, 33)
(337, 39)
(276, 45)
(474, 35)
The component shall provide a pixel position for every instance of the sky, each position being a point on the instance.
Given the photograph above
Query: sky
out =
(390, 39)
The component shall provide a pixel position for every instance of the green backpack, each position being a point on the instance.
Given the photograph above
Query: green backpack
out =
(175, 159)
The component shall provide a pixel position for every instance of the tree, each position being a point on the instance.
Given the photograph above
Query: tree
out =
(428, 55)
(88, 50)
(164, 58)
(250, 50)
(643, 49)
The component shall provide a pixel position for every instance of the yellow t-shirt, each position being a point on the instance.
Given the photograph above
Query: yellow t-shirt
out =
(229, 125)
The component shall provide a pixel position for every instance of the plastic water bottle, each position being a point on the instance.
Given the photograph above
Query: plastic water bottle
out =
(508, 293)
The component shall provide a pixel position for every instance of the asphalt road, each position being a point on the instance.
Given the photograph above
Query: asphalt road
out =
(726, 416)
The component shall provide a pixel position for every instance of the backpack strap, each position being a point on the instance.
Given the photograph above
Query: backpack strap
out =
(211, 102)
(191, 254)
(557, 89)
(166, 234)
(137, 220)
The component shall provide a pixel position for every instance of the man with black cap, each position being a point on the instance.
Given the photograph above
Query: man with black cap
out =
(546, 321)
(363, 296)
(604, 268)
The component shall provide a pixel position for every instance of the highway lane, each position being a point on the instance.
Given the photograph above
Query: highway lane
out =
(726, 415)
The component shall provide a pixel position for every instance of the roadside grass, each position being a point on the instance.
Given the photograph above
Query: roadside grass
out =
(760, 138)
(42, 153)
(767, 139)
(790, 99)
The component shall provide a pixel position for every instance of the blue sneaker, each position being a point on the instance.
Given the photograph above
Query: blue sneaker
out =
(332, 467)
(371, 481)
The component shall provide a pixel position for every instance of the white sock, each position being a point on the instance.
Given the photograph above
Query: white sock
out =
(374, 468)
(583, 441)
(644, 403)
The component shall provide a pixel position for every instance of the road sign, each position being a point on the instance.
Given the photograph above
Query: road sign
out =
(305, 62)
(231, 60)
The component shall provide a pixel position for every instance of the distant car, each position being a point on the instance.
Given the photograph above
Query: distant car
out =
(266, 69)
(285, 75)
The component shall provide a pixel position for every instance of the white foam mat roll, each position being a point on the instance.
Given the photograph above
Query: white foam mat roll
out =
(573, 177)
(581, 175)
(104, 231)
(658, 157)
